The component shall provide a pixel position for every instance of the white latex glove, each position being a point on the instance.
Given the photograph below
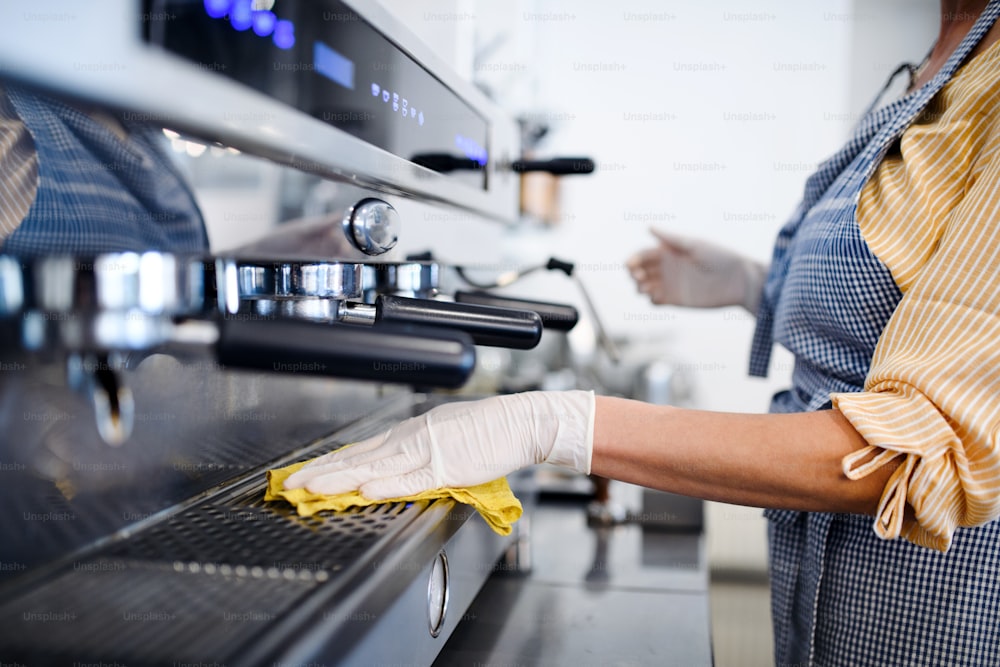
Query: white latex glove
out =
(459, 445)
(682, 271)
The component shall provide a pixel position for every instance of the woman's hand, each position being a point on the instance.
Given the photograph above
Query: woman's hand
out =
(688, 272)
(460, 445)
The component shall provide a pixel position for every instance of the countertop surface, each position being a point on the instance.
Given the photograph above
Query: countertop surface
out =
(625, 594)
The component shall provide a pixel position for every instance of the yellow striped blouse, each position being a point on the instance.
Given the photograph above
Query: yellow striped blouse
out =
(931, 405)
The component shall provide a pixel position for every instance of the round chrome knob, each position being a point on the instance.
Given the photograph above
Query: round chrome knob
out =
(438, 593)
(373, 226)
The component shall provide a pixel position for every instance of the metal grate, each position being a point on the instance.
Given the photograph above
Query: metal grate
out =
(136, 613)
(194, 587)
(268, 536)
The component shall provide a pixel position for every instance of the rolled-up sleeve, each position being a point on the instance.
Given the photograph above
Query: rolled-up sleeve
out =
(931, 405)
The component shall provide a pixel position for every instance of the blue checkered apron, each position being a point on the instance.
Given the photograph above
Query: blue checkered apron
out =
(97, 193)
(840, 595)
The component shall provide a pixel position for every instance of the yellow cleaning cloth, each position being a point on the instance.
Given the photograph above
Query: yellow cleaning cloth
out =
(494, 500)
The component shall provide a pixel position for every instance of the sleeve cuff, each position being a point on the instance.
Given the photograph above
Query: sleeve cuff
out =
(910, 433)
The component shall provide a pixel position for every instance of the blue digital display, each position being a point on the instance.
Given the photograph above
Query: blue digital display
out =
(333, 65)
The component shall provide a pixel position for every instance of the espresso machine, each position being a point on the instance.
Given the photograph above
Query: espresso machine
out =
(144, 395)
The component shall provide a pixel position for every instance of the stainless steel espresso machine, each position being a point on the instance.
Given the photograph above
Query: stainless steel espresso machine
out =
(143, 395)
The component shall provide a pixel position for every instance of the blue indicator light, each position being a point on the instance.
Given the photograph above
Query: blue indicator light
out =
(284, 34)
(240, 15)
(263, 22)
(333, 65)
(217, 8)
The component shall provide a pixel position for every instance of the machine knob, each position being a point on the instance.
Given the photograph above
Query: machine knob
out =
(373, 226)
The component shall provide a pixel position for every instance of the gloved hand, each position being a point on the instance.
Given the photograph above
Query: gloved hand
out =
(688, 272)
(459, 445)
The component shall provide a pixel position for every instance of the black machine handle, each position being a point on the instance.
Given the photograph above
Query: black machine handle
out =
(423, 356)
(558, 166)
(559, 265)
(555, 316)
(499, 327)
(446, 162)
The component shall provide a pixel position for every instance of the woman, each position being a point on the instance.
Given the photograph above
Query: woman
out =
(884, 286)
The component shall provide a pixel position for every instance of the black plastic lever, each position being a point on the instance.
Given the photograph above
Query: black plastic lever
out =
(423, 356)
(445, 162)
(558, 166)
(555, 316)
(498, 327)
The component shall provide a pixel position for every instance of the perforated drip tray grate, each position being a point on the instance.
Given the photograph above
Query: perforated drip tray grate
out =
(193, 587)
(272, 538)
(142, 614)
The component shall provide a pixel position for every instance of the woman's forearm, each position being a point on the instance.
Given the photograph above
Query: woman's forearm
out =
(789, 461)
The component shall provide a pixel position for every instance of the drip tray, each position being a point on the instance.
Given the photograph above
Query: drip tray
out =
(143, 614)
(198, 586)
(264, 538)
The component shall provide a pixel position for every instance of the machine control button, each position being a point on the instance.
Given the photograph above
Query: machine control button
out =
(373, 226)
(437, 593)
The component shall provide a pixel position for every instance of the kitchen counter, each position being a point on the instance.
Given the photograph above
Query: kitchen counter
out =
(618, 595)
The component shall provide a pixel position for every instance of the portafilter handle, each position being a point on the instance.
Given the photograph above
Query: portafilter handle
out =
(554, 316)
(558, 166)
(487, 325)
(422, 356)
